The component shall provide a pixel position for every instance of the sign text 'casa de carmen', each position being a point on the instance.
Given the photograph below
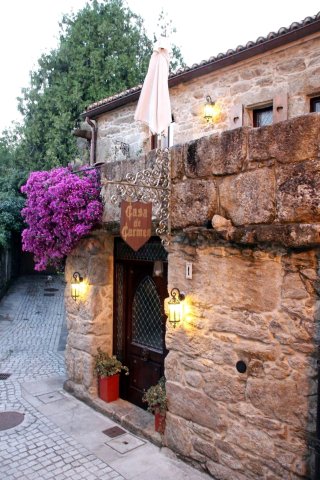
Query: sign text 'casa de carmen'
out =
(135, 223)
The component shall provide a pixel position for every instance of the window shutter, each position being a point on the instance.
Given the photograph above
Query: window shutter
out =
(280, 107)
(236, 116)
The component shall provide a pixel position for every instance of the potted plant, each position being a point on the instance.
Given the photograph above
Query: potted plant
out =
(156, 398)
(108, 370)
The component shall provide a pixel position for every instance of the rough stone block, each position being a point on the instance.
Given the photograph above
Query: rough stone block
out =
(177, 155)
(242, 323)
(241, 282)
(173, 368)
(298, 192)
(225, 153)
(194, 405)
(221, 472)
(177, 435)
(193, 202)
(291, 65)
(285, 401)
(289, 235)
(223, 387)
(196, 164)
(295, 140)
(99, 270)
(293, 287)
(89, 343)
(206, 448)
(249, 198)
(194, 379)
(251, 439)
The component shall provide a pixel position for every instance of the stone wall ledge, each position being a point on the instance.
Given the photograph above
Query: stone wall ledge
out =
(245, 148)
(288, 236)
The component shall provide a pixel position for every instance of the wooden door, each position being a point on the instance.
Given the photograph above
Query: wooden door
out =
(140, 323)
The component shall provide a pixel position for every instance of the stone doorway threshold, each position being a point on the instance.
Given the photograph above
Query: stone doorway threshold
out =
(131, 417)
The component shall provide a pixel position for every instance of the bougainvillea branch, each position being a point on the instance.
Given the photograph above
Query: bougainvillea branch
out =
(61, 208)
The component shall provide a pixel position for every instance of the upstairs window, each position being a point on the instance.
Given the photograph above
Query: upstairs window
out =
(263, 116)
(315, 104)
(164, 140)
(154, 141)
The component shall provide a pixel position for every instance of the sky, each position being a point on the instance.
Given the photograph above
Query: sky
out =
(205, 28)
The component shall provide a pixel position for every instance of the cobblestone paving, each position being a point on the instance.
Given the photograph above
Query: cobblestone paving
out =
(37, 449)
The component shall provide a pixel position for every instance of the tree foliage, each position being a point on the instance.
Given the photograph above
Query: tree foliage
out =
(103, 49)
(10, 201)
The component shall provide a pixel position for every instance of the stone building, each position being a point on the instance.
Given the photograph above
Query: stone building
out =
(241, 367)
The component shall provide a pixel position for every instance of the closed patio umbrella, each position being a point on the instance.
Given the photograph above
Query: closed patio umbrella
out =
(154, 107)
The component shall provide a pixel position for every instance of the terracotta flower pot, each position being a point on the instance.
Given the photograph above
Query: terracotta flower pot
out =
(109, 388)
(159, 422)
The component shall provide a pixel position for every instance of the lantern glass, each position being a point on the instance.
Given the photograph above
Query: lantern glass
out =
(175, 307)
(208, 111)
(75, 293)
(77, 286)
(175, 312)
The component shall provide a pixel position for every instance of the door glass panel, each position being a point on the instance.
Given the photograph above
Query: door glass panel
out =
(147, 316)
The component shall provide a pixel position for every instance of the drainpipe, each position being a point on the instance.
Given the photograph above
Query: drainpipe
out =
(317, 449)
(93, 143)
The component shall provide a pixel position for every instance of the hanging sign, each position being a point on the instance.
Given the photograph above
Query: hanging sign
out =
(135, 223)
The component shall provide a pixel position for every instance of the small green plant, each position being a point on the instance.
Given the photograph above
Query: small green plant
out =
(156, 397)
(106, 366)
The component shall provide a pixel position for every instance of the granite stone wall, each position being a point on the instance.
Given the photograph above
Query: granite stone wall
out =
(253, 298)
(286, 77)
(258, 306)
(245, 210)
(89, 320)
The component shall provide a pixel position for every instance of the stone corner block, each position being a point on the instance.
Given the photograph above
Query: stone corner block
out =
(194, 202)
(229, 151)
(178, 155)
(298, 192)
(294, 140)
(249, 198)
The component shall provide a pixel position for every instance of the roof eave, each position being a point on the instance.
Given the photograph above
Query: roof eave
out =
(217, 64)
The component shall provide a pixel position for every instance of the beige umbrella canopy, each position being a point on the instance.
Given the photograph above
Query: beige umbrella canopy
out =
(154, 107)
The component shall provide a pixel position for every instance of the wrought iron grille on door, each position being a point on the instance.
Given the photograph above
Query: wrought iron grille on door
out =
(147, 316)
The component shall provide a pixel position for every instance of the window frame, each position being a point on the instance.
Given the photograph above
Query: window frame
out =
(313, 102)
(260, 110)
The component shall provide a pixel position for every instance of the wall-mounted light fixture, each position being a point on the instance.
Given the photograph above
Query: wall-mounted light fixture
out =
(77, 286)
(175, 306)
(209, 110)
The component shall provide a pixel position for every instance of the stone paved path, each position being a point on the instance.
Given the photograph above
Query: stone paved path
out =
(60, 438)
(29, 338)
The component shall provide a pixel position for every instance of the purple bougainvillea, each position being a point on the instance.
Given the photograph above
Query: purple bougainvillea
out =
(61, 208)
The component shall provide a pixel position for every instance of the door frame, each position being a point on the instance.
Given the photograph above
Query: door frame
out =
(124, 257)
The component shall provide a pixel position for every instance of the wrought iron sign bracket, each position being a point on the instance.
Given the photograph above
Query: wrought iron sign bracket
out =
(149, 185)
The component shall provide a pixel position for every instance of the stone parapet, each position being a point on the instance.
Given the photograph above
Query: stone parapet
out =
(265, 181)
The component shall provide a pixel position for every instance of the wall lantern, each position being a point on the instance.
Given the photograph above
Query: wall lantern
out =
(76, 286)
(175, 306)
(209, 110)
